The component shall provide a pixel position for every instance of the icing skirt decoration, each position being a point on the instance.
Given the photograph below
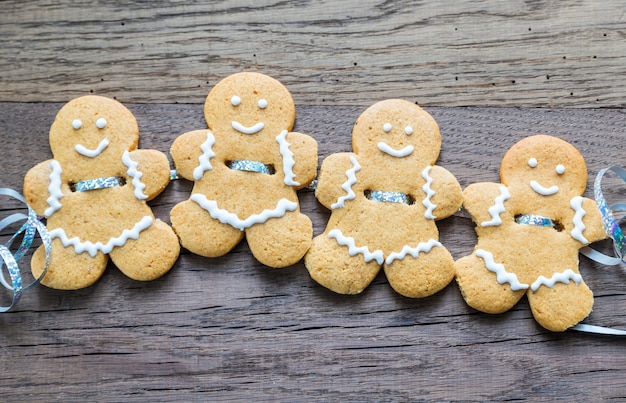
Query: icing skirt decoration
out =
(31, 226)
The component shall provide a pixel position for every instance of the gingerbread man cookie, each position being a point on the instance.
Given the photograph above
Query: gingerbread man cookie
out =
(385, 198)
(530, 229)
(246, 170)
(93, 195)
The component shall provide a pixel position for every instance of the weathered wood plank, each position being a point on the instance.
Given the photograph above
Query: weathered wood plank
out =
(486, 53)
(231, 329)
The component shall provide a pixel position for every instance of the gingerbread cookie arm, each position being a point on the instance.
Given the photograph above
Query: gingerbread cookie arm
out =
(303, 160)
(192, 153)
(148, 171)
(37, 182)
(485, 203)
(447, 196)
(336, 179)
(589, 214)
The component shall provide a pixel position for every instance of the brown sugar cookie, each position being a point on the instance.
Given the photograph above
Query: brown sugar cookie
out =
(385, 197)
(93, 194)
(530, 229)
(246, 168)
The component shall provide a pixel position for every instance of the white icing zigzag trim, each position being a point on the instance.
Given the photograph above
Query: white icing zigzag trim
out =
(497, 208)
(288, 161)
(204, 163)
(353, 250)
(136, 175)
(54, 189)
(430, 206)
(577, 233)
(564, 278)
(378, 255)
(93, 248)
(407, 250)
(226, 217)
(501, 274)
(347, 185)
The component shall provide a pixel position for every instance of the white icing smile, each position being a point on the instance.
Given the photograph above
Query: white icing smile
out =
(404, 152)
(543, 190)
(248, 130)
(82, 150)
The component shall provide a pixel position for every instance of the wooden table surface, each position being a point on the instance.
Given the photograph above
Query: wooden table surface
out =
(231, 329)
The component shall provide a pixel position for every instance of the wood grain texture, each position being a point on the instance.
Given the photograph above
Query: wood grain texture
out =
(536, 53)
(231, 329)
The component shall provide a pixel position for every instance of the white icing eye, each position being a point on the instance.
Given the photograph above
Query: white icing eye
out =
(101, 123)
(77, 124)
(408, 130)
(560, 169)
(387, 127)
(235, 100)
(532, 162)
(262, 103)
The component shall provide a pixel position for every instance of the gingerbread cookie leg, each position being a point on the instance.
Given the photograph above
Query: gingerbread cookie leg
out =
(139, 260)
(281, 242)
(68, 270)
(200, 233)
(421, 271)
(562, 306)
(482, 289)
(335, 267)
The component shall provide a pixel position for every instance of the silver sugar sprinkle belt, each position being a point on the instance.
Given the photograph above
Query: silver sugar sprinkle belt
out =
(389, 197)
(536, 220)
(98, 183)
(251, 166)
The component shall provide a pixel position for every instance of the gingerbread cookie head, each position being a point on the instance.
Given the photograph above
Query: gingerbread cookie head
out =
(91, 133)
(250, 104)
(397, 128)
(549, 170)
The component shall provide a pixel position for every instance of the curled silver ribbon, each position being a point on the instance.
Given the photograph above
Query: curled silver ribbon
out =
(610, 224)
(11, 260)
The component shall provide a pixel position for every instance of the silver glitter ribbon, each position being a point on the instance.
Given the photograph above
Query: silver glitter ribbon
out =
(250, 166)
(389, 197)
(609, 223)
(98, 183)
(29, 229)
